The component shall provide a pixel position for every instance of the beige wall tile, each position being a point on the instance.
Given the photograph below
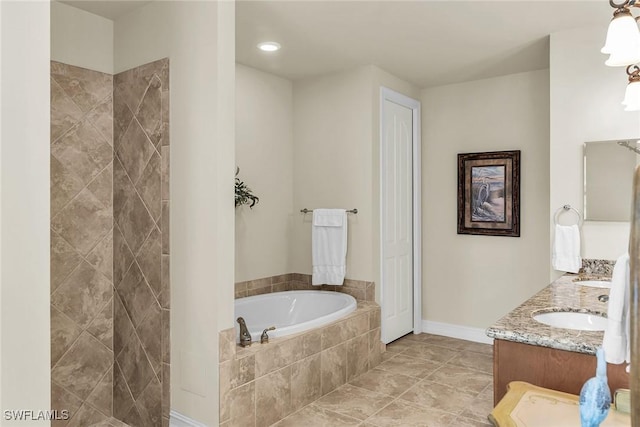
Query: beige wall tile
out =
(357, 356)
(61, 400)
(243, 370)
(101, 398)
(83, 366)
(64, 332)
(227, 344)
(150, 261)
(273, 397)
(334, 367)
(83, 295)
(243, 405)
(306, 383)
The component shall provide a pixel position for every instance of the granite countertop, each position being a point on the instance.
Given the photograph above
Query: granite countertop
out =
(561, 295)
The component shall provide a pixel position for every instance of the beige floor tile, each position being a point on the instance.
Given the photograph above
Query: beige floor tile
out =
(471, 360)
(398, 346)
(446, 342)
(438, 396)
(461, 378)
(431, 352)
(353, 401)
(480, 407)
(388, 355)
(314, 416)
(410, 366)
(478, 347)
(466, 422)
(385, 382)
(400, 413)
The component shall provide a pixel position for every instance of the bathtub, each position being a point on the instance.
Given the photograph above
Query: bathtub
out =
(291, 311)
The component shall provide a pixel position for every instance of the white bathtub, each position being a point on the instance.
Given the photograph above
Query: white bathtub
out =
(291, 311)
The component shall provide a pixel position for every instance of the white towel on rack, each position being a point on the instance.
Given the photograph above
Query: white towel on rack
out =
(566, 249)
(329, 246)
(616, 335)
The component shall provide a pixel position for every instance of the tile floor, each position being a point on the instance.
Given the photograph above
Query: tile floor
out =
(424, 380)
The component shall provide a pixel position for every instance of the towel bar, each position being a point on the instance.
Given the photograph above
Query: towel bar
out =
(305, 210)
(564, 209)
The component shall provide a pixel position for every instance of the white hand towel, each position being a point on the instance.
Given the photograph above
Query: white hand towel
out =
(566, 249)
(329, 246)
(616, 334)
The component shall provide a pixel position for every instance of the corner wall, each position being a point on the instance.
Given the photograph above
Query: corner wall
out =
(585, 103)
(264, 154)
(81, 38)
(474, 280)
(198, 39)
(24, 214)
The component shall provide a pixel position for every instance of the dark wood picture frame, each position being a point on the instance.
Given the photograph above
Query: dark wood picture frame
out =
(489, 193)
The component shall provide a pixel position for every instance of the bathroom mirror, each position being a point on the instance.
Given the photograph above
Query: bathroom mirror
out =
(608, 172)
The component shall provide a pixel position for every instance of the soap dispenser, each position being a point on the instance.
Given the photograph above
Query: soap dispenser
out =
(595, 396)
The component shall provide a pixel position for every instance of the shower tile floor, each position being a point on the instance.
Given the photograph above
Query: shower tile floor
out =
(424, 380)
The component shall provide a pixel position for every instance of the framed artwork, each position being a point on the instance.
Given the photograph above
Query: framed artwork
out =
(489, 193)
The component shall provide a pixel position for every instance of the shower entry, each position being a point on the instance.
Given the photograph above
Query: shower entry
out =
(110, 291)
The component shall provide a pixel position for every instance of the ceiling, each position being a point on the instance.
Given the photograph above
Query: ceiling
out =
(427, 43)
(424, 42)
(110, 9)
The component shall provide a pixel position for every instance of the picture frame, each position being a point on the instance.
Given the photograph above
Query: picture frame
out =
(489, 193)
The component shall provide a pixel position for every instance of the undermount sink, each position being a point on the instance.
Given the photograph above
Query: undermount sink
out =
(594, 283)
(572, 320)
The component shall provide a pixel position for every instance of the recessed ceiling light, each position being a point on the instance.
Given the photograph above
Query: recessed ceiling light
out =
(269, 46)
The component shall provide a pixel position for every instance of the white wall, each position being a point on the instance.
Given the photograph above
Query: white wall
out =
(81, 38)
(474, 280)
(24, 202)
(198, 38)
(336, 132)
(585, 106)
(264, 153)
(332, 162)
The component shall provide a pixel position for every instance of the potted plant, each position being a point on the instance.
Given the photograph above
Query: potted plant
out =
(244, 196)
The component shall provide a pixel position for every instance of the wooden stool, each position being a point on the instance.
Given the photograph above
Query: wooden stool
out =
(526, 405)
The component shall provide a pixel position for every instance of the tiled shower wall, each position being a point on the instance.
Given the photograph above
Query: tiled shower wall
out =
(141, 245)
(109, 244)
(81, 244)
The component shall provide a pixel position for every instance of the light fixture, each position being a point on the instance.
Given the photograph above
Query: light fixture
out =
(623, 37)
(632, 94)
(269, 46)
(623, 46)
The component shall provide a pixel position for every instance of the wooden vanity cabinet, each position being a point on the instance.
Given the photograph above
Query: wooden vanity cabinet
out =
(546, 367)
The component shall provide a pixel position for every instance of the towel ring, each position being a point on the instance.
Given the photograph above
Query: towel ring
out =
(566, 208)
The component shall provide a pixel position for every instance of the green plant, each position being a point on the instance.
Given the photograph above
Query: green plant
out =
(244, 196)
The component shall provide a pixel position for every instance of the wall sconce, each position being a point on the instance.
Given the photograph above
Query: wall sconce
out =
(623, 47)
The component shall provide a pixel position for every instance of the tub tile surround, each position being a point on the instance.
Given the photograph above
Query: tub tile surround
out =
(359, 289)
(109, 245)
(264, 383)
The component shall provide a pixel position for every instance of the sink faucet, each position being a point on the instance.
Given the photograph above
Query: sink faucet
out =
(245, 336)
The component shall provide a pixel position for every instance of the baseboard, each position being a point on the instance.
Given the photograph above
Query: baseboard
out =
(179, 420)
(456, 331)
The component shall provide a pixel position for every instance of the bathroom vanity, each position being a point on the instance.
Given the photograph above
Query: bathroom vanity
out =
(551, 357)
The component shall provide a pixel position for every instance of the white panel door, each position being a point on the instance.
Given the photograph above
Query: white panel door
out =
(397, 220)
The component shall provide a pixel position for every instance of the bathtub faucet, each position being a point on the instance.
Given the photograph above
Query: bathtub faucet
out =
(264, 338)
(245, 336)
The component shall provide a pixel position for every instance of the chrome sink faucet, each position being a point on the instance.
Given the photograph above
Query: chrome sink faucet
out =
(245, 336)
